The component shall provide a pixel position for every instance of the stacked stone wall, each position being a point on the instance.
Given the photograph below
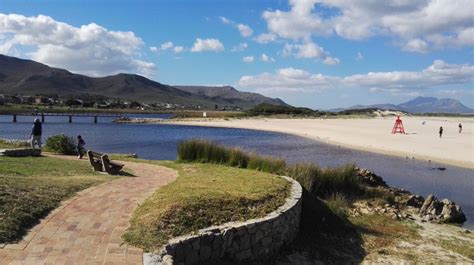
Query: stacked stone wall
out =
(237, 242)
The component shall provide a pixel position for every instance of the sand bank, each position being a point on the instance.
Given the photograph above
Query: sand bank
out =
(421, 141)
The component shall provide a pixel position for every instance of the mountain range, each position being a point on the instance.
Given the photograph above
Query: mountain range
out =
(424, 105)
(27, 77)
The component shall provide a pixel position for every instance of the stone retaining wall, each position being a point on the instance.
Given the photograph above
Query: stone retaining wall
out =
(21, 152)
(250, 241)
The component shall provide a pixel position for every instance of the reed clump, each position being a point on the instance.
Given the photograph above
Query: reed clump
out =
(204, 151)
(320, 182)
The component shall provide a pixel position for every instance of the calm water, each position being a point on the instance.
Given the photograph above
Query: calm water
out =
(160, 142)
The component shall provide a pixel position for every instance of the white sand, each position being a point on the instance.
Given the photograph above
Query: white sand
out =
(420, 142)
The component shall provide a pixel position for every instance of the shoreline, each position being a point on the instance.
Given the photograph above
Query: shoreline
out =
(305, 128)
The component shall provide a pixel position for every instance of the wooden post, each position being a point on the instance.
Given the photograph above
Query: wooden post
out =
(70, 118)
(42, 117)
(95, 119)
(14, 117)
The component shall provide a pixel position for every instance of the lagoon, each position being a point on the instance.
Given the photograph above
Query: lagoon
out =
(159, 141)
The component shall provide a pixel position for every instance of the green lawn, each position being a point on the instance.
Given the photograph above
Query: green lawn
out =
(204, 195)
(31, 187)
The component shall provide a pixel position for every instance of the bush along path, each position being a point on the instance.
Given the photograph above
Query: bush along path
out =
(87, 227)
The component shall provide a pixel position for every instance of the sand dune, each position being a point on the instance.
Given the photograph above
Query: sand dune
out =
(421, 141)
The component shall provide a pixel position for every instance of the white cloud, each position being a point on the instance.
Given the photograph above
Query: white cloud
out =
(265, 38)
(178, 49)
(202, 45)
(359, 56)
(241, 47)
(297, 23)
(266, 58)
(439, 73)
(248, 59)
(419, 25)
(167, 45)
(226, 20)
(331, 61)
(89, 49)
(309, 50)
(416, 45)
(245, 30)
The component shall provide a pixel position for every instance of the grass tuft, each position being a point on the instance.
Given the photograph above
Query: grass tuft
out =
(204, 151)
(325, 182)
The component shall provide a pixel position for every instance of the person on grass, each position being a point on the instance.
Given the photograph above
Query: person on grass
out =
(80, 147)
(36, 132)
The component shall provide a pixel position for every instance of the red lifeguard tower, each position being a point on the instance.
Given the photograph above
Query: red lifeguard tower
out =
(398, 127)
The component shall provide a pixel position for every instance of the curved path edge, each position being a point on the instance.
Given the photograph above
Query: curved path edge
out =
(87, 228)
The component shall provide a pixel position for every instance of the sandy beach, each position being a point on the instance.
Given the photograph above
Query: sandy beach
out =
(374, 134)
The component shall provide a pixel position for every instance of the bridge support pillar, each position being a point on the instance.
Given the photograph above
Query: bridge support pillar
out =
(70, 118)
(95, 119)
(14, 118)
(42, 117)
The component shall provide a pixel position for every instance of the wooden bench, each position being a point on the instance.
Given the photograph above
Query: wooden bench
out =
(101, 162)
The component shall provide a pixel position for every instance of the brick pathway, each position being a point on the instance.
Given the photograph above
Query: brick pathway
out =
(86, 229)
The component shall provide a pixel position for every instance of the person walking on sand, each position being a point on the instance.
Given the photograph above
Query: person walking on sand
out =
(440, 131)
(36, 132)
(460, 128)
(80, 147)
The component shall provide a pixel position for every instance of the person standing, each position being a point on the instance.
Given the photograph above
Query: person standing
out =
(460, 128)
(36, 132)
(80, 147)
(440, 131)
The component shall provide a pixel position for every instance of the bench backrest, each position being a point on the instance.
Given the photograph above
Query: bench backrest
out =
(95, 160)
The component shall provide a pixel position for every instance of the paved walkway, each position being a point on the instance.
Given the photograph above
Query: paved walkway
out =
(87, 228)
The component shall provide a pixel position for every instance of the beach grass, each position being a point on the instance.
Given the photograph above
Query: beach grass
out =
(204, 151)
(325, 182)
(203, 195)
(30, 187)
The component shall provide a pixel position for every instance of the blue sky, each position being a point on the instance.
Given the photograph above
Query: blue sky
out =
(318, 53)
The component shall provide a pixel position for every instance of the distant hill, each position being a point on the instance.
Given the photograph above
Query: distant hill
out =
(27, 77)
(230, 94)
(424, 105)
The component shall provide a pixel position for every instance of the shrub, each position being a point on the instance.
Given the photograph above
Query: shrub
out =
(61, 144)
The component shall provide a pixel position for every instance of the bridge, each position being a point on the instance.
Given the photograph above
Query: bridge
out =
(43, 115)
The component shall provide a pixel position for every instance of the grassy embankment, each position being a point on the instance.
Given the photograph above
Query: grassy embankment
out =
(203, 195)
(31, 187)
(329, 194)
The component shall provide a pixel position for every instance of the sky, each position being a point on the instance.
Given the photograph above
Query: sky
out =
(321, 54)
